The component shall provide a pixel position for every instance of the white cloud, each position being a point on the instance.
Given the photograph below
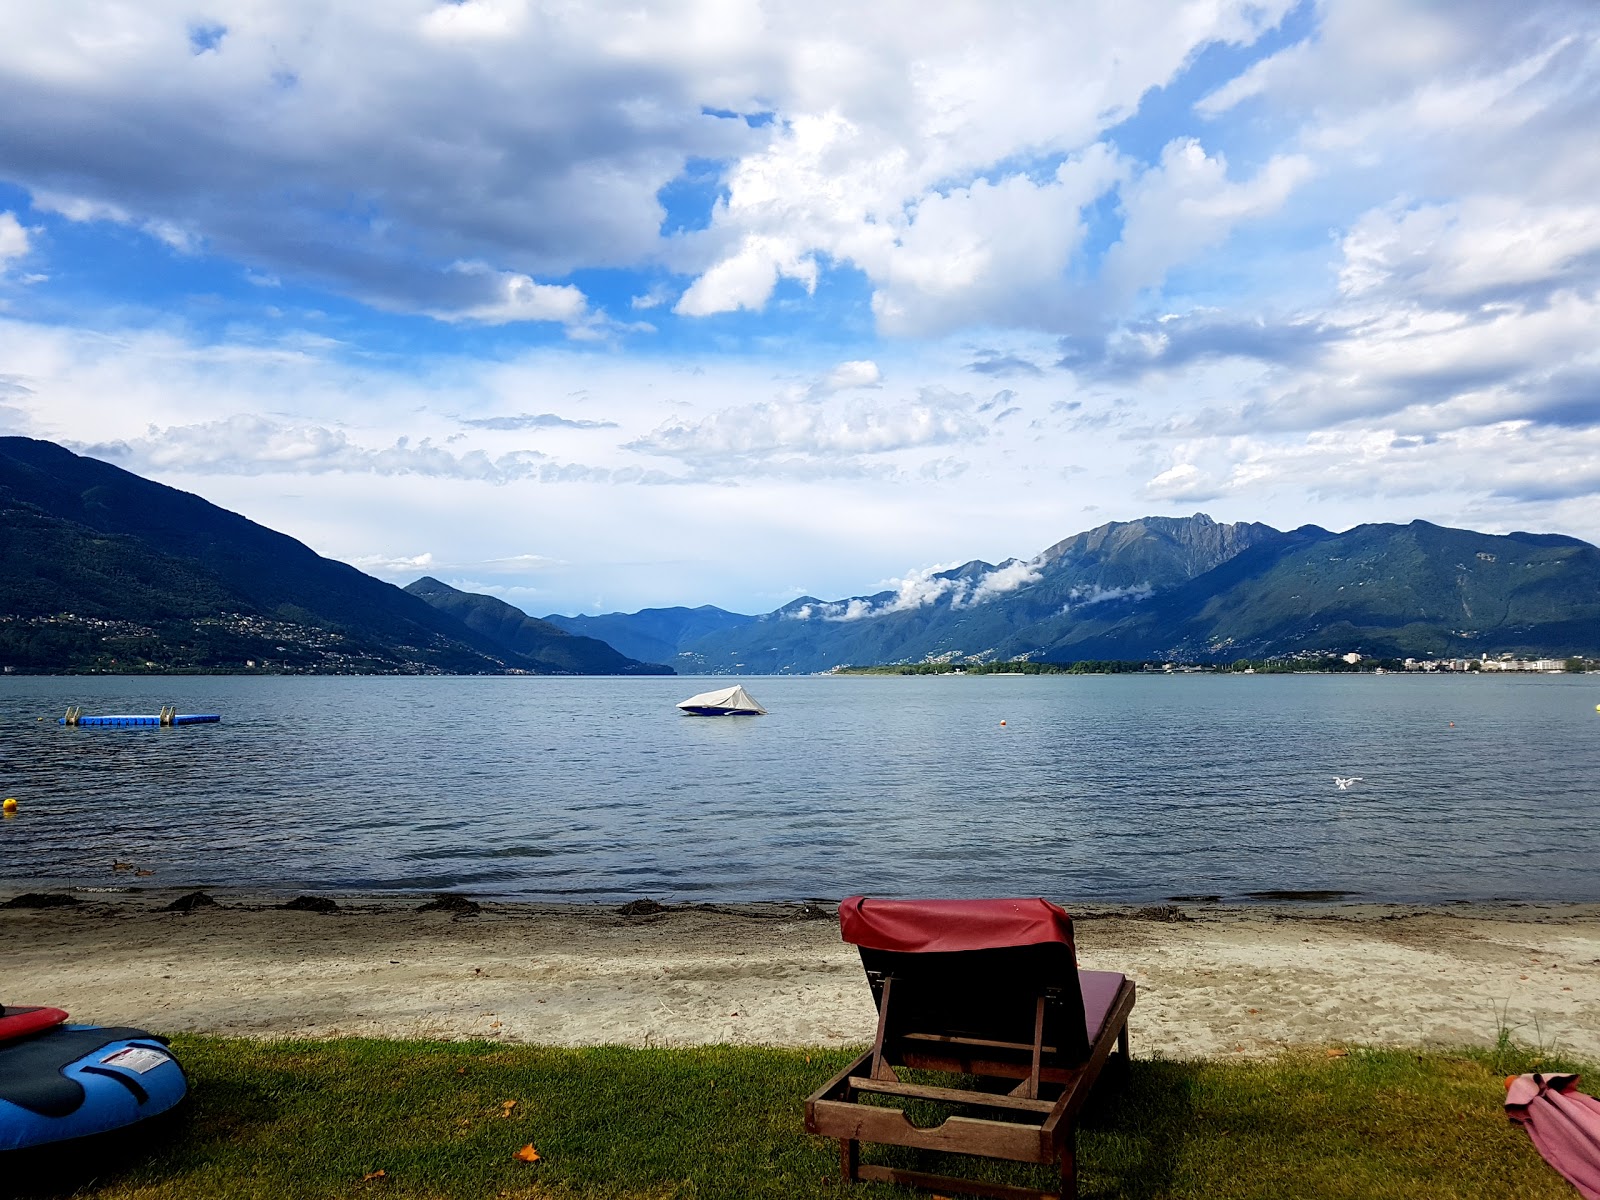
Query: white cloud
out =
(516, 297)
(746, 279)
(83, 210)
(255, 445)
(1470, 250)
(861, 373)
(776, 428)
(1187, 204)
(1085, 597)
(383, 564)
(13, 240)
(1006, 578)
(924, 587)
(1181, 482)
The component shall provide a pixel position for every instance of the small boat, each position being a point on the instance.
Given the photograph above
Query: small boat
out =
(729, 702)
(59, 1082)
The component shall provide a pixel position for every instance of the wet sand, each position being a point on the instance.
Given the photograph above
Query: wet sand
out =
(1228, 980)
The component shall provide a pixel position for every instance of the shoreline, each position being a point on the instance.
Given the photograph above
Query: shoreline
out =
(1214, 979)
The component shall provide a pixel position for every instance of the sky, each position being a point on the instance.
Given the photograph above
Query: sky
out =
(599, 306)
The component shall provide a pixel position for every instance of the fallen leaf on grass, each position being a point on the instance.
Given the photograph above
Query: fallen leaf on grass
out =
(378, 1174)
(506, 1106)
(1338, 1053)
(528, 1154)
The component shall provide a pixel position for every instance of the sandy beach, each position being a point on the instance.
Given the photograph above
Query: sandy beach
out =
(1223, 981)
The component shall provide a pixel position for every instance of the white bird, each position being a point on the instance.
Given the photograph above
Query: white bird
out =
(1345, 782)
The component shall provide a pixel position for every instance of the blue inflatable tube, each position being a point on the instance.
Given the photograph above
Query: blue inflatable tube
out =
(75, 1081)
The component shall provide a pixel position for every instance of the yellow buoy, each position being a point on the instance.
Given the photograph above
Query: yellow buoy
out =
(10, 804)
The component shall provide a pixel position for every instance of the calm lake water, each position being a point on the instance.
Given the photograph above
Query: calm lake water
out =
(1096, 788)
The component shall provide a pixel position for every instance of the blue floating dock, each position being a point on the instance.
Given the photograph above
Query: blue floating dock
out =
(167, 716)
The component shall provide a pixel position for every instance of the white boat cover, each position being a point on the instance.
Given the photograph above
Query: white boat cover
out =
(734, 699)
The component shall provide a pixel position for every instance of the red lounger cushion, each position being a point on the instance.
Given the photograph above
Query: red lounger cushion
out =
(1099, 990)
(943, 926)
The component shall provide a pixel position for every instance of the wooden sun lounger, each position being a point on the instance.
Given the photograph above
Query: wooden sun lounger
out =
(1033, 1029)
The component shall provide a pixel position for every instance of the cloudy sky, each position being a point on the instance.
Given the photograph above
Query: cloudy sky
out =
(597, 306)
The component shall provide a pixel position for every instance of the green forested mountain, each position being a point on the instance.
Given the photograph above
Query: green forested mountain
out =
(105, 570)
(1191, 589)
(517, 633)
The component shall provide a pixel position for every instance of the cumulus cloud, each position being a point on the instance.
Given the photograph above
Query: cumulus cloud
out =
(1182, 482)
(861, 373)
(937, 153)
(516, 297)
(1187, 203)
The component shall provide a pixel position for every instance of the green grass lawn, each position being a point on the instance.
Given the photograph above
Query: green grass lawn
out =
(282, 1120)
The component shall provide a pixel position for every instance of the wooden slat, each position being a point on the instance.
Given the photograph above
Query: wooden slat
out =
(835, 1087)
(985, 1043)
(952, 1183)
(967, 1064)
(964, 1135)
(951, 1095)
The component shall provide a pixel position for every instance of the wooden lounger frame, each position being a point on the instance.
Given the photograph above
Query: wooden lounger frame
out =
(1045, 1134)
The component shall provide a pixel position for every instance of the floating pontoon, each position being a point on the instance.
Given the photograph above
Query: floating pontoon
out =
(167, 716)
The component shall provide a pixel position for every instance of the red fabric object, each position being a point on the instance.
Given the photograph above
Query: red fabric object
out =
(937, 926)
(1563, 1123)
(19, 1022)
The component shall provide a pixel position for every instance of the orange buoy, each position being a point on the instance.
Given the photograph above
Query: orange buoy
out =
(1002, 722)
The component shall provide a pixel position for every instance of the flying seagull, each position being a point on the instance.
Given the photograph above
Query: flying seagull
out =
(1345, 782)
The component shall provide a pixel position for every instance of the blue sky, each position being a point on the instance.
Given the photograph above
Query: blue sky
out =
(608, 306)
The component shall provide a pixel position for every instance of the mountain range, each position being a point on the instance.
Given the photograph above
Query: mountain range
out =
(105, 570)
(1185, 589)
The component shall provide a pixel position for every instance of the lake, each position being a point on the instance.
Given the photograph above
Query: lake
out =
(1111, 788)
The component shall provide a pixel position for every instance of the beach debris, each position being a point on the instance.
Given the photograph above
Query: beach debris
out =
(451, 903)
(316, 904)
(190, 902)
(812, 912)
(528, 1154)
(41, 900)
(1169, 914)
(1345, 782)
(642, 908)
